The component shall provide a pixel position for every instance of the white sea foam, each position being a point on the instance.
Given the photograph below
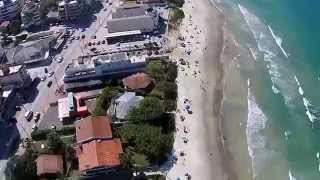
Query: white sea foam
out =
(278, 41)
(307, 104)
(253, 54)
(275, 89)
(318, 155)
(291, 177)
(287, 133)
(264, 42)
(256, 141)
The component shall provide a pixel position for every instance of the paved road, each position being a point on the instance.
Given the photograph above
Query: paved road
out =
(47, 95)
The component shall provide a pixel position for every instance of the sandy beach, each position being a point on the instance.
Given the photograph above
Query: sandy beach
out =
(203, 53)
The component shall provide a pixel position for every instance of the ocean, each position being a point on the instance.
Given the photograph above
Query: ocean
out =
(272, 96)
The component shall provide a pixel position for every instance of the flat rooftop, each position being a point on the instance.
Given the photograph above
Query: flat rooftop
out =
(12, 70)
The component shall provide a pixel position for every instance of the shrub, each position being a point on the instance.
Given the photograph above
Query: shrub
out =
(104, 100)
(177, 15)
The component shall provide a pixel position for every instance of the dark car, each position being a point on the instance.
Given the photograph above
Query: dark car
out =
(49, 84)
(103, 41)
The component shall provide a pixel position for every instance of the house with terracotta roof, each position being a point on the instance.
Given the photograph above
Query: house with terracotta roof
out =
(96, 149)
(99, 154)
(93, 128)
(49, 165)
(139, 81)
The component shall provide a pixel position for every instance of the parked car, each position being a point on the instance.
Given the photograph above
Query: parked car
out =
(49, 83)
(50, 73)
(94, 37)
(89, 44)
(36, 117)
(98, 43)
(83, 36)
(103, 41)
(43, 78)
(60, 59)
(34, 127)
(28, 115)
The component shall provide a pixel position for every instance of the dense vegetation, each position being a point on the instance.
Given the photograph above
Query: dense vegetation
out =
(148, 135)
(104, 99)
(24, 166)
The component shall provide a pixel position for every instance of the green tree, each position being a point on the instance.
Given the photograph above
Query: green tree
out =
(150, 108)
(165, 90)
(172, 72)
(177, 15)
(178, 3)
(156, 69)
(104, 100)
(55, 144)
(22, 167)
(147, 140)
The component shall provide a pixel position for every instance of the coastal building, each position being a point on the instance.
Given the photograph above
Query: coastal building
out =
(49, 165)
(31, 52)
(130, 21)
(93, 128)
(99, 154)
(31, 14)
(13, 77)
(74, 105)
(4, 26)
(139, 81)
(10, 9)
(121, 106)
(66, 107)
(102, 67)
(96, 149)
(69, 10)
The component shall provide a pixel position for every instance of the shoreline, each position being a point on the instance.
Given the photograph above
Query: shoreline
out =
(209, 157)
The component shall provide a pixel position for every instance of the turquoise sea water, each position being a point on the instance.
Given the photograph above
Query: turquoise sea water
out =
(281, 39)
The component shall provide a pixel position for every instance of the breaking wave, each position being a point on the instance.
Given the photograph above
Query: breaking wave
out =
(278, 41)
(310, 111)
(257, 29)
(291, 177)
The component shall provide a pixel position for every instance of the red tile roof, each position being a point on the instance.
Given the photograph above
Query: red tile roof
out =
(137, 81)
(93, 127)
(99, 153)
(49, 164)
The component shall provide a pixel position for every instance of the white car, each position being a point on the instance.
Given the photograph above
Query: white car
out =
(43, 78)
(50, 73)
(60, 59)
(28, 115)
(35, 127)
(36, 117)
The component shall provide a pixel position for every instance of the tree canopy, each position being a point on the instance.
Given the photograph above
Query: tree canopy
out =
(177, 15)
(178, 3)
(156, 69)
(22, 167)
(104, 100)
(147, 140)
(55, 144)
(150, 108)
